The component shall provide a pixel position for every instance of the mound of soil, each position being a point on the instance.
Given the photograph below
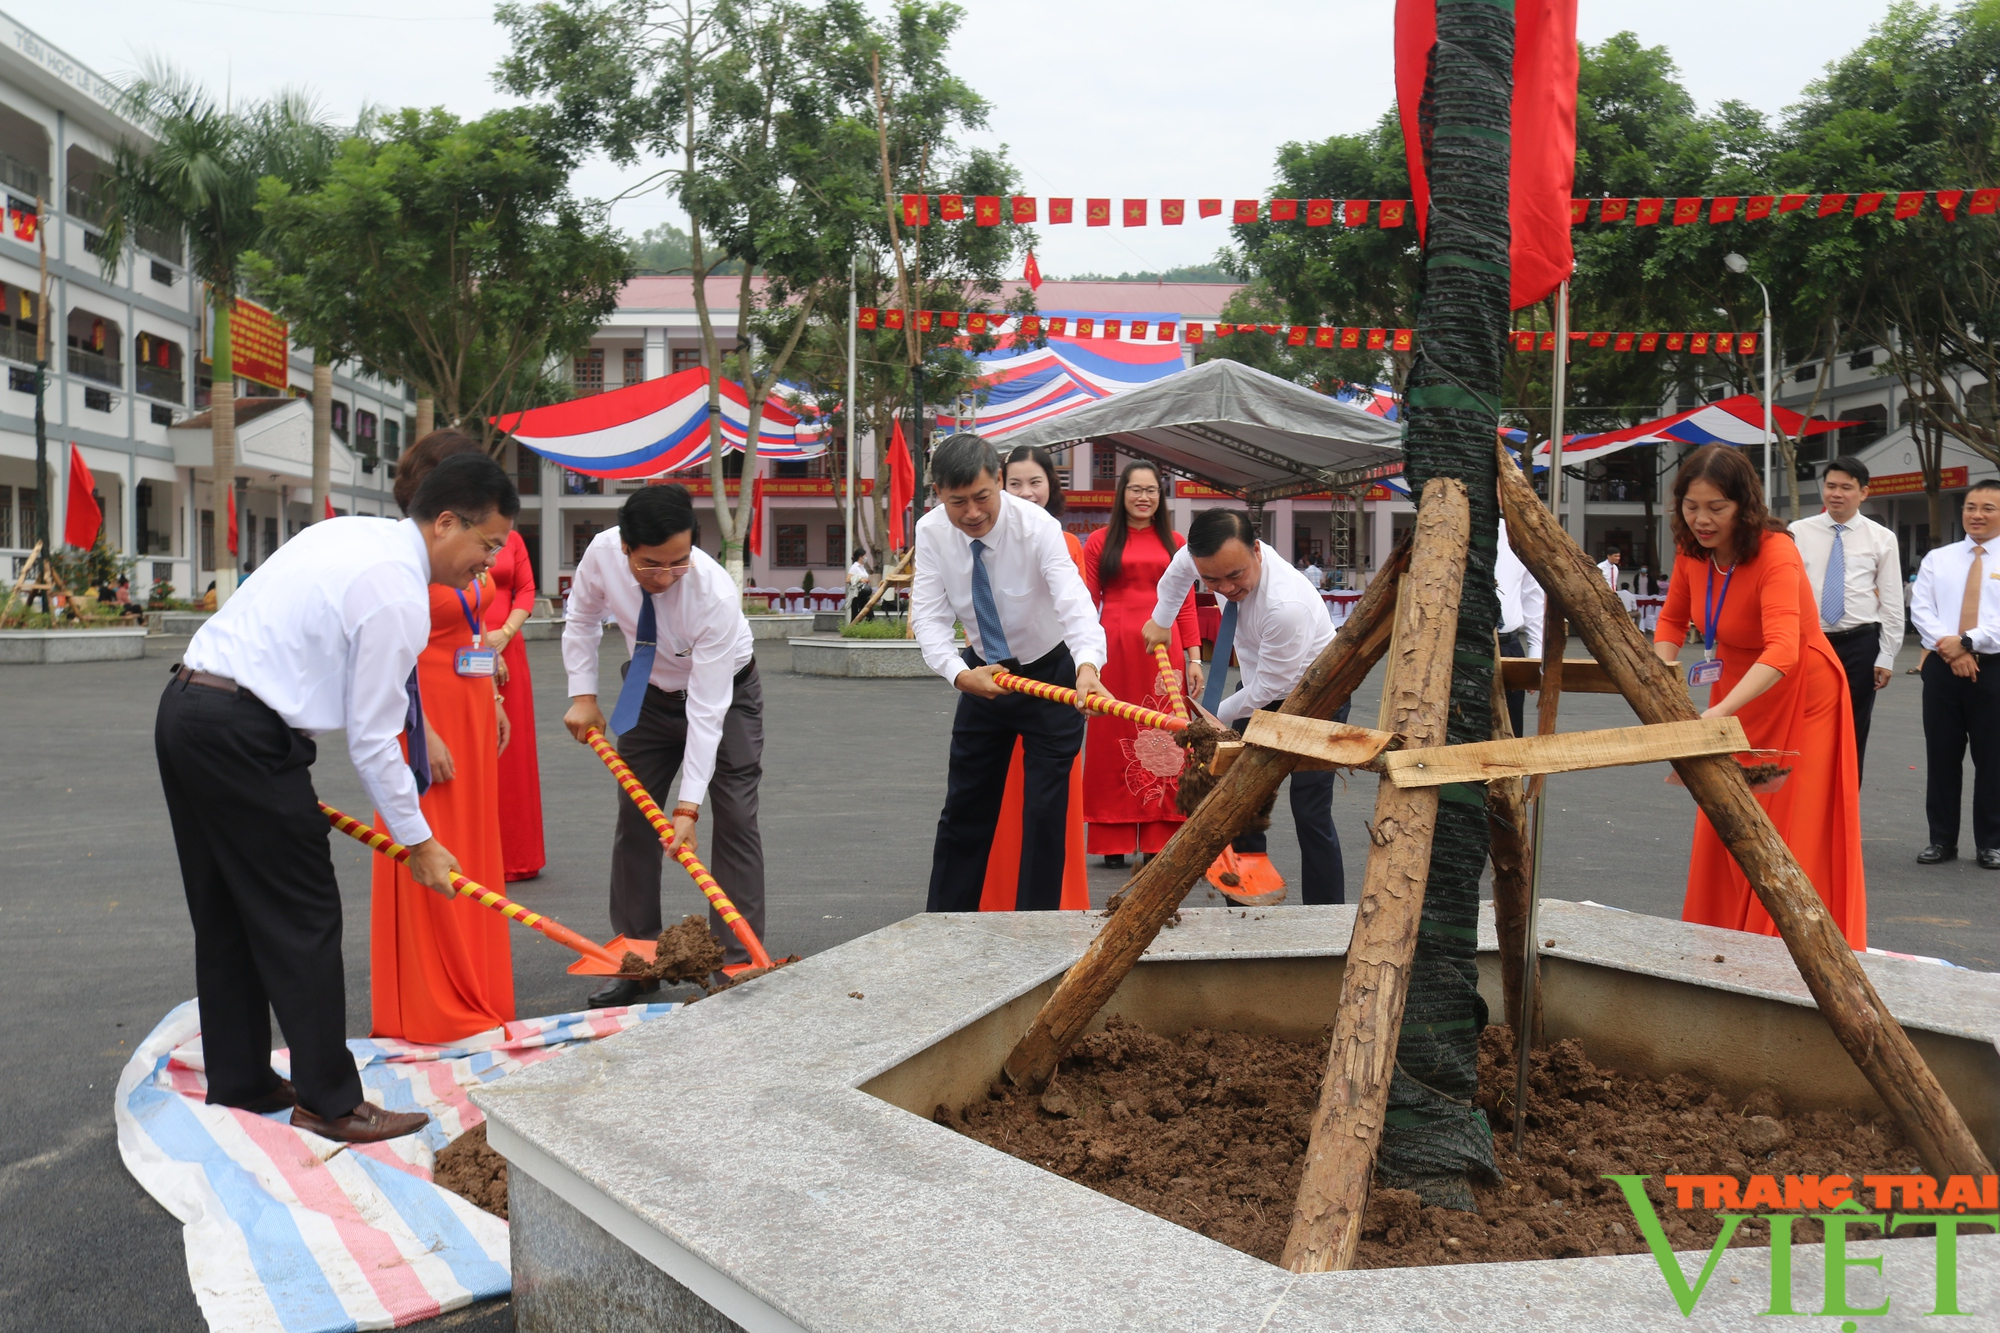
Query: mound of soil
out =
(468, 1167)
(1208, 1130)
(686, 952)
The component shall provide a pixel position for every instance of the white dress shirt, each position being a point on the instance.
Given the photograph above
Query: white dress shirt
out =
(1874, 576)
(702, 635)
(1610, 572)
(1037, 589)
(1314, 575)
(1523, 604)
(858, 575)
(1280, 628)
(1939, 593)
(327, 635)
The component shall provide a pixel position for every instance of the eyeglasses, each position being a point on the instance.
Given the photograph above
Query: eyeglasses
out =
(1149, 492)
(491, 548)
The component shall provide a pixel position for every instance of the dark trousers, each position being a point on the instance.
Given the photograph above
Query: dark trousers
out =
(1958, 712)
(1512, 645)
(727, 841)
(982, 746)
(1320, 864)
(1857, 649)
(858, 601)
(262, 894)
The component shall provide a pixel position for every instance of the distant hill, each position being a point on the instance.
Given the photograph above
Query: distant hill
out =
(1185, 273)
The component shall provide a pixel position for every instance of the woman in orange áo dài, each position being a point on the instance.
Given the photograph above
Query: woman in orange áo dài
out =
(442, 968)
(1031, 474)
(1766, 662)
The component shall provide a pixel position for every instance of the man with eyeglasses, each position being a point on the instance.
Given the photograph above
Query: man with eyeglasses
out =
(690, 702)
(1955, 606)
(325, 638)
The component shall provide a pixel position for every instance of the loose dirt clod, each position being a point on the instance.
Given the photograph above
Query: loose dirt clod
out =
(1208, 1130)
(686, 952)
(1231, 878)
(471, 1169)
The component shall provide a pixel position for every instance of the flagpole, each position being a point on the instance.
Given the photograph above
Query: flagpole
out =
(1558, 388)
(847, 410)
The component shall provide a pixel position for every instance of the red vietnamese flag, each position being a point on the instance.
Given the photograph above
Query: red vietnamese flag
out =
(1350, 338)
(1268, 328)
(1909, 203)
(1245, 211)
(1723, 208)
(83, 517)
(1983, 201)
(976, 322)
(1623, 343)
(1725, 342)
(1172, 212)
(1377, 339)
(1390, 214)
(1867, 204)
(916, 210)
(1829, 204)
(1284, 210)
(756, 539)
(1579, 212)
(1600, 340)
(1209, 207)
(1097, 212)
(1676, 341)
(1354, 213)
(1138, 329)
(864, 318)
(892, 319)
(1542, 134)
(1686, 210)
(1402, 341)
(1759, 207)
(1135, 212)
(1649, 342)
(1649, 212)
(1224, 330)
(1319, 212)
(902, 485)
(1613, 210)
(986, 210)
(1031, 326)
(1791, 203)
(1060, 210)
(1323, 335)
(1548, 342)
(1112, 329)
(329, 506)
(1746, 343)
(1295, 335)
(1698, 344)
(1086, 327)
(231, 515)
(1165, 333)
(1947, 201)
(951, 207)
(1032, 275)
(1194, 333)
(1524, 340)
(925, 321)
(1024, 208)
(947, 319)
(1056, 325)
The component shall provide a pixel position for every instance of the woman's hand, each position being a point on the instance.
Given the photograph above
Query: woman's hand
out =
(499, 667)
(443, 769)
(506, 725)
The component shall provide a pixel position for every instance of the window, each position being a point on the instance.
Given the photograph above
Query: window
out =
(270, 536)
(836, 545)
(635, 364)
(686, 358)
(97, 400)
(575, 483)
(531, 537)
(157, 371)
(527, 471)
(19, 380)
(1103, 464)
(338, 416)
(366, 437)
(1874, 424)
(589, 372)
(207, 540)
(162, 274)
(6, 515)
(162, 415)
(392, 437)
(1806, 374)
(581, 536)
(1304, 544)
(791, 546)
(1861, 360)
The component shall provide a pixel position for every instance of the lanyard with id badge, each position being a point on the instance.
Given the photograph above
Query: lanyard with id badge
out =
(476, 660)
(1709, 670)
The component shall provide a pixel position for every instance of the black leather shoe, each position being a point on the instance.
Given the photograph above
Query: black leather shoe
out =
(621, 991)
(1935, 853)
(1115, 861)
(280, 1098)
(366, 1123)
(1989, 858)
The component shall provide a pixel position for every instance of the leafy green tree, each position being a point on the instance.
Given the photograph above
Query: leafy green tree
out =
(666, 249)
(448, 254)
(197, 177)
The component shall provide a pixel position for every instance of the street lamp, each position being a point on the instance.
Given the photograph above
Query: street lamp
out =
(1737, 264)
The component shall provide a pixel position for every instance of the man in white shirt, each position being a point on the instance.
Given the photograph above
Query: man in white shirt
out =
(998, 565)
(325, 638)
(860, 583)
(1611, 566)
(1314, 574)
(1523, 611)
(1955, 606)
(690, 702)
(1277, 624)
(1857, 581)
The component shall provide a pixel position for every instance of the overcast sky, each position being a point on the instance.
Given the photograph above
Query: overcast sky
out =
(1168, 98)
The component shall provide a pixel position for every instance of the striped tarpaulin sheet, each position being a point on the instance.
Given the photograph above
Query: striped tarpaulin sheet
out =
(285, 1230)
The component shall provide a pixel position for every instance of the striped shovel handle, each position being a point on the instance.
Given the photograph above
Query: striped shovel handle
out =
(665, 828)
(466, 888)
(1168, 674)
(1144, 717)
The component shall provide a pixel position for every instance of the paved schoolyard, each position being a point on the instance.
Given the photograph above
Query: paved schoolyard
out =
(95, 944)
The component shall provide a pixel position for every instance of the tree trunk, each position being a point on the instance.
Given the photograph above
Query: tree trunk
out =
(322, 437)
(426, 417)
(1437, 1137)
(1513, 864)
(222, 438)
(1845, 996)
(1367, 1027)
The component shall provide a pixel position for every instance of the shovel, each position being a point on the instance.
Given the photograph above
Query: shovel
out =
(598, 960)
(1144, 717)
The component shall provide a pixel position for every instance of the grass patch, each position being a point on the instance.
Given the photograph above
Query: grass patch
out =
(882, 627)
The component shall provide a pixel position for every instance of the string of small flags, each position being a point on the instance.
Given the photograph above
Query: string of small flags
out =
(1131, 330)
(991, 210)
(1697, 344)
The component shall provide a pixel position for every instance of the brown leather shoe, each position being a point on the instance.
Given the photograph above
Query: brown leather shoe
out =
(366, 1123)
(277, 1099)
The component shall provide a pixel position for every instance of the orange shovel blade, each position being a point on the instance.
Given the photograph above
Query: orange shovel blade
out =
(617, 947)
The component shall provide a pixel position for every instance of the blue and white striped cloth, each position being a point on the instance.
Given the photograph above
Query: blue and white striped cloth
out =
(285, 1230)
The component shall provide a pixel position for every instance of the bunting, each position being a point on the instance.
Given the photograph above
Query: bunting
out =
(1700, 344)
(1121, 329)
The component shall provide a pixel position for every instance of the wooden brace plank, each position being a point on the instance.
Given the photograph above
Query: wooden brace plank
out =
(1337, 744)
(1564, 752)
(1228, 752)
(1580, 675)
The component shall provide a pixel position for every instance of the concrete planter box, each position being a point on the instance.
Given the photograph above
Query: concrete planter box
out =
(859, 658)
(37, 646)
(779, 626)
(828, 622)
(541, 627)
(176, 622)
(800, 1183)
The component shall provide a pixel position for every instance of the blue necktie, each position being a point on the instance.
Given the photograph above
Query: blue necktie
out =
(1225, 644)
(991, 637)
(645, 647)
(413, 727)
(1833, 591)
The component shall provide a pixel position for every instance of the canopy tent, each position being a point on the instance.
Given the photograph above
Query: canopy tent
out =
(1738, 420)
(1023, 387)
(654, 427)
(1239, 430)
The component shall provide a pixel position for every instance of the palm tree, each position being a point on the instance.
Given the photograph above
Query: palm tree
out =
(198, 179)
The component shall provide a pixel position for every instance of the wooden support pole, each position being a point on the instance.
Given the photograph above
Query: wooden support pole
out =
(1523, 756)
(1507, 821)
(1155, 893)
(1354, 1097)
(1846, 998)
(1580, 675)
